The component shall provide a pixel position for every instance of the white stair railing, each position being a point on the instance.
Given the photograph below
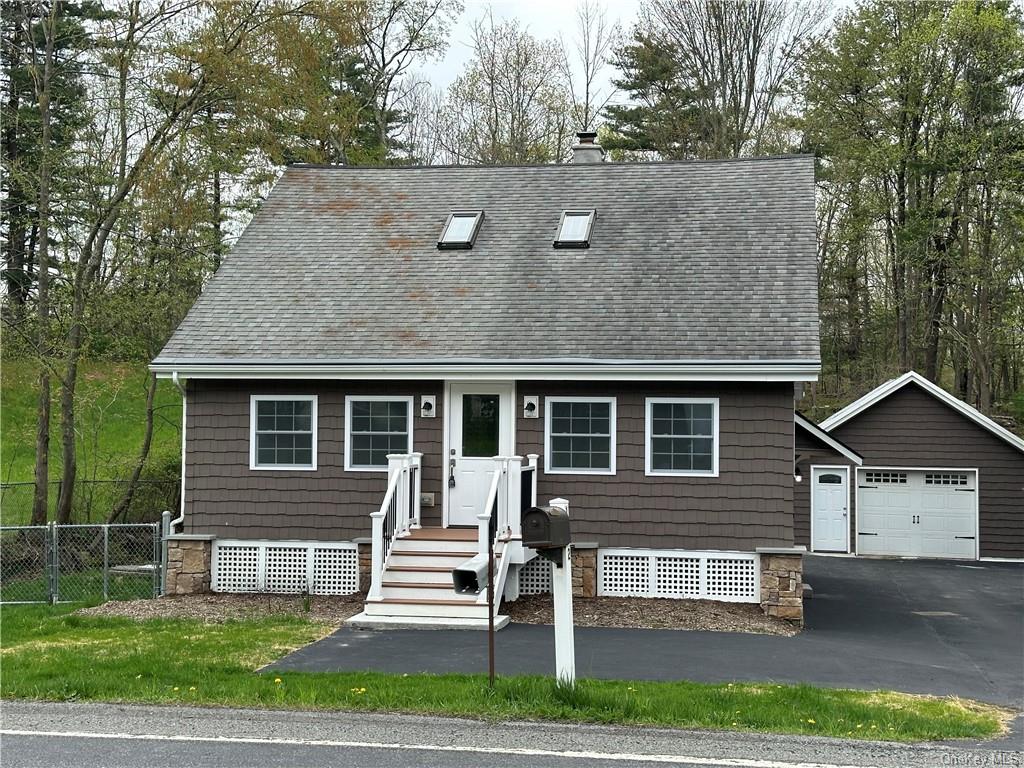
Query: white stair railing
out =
(399, 513)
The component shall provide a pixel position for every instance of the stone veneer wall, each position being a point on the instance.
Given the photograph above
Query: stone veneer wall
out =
(782, 588)
(584, 571)
(188, 565)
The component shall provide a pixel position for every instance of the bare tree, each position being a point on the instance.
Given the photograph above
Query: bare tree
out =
(739, 57)
(512, 103)
(394, 35)
(589, 56)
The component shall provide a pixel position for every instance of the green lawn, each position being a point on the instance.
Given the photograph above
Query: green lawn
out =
(111, 424)
(49, 654)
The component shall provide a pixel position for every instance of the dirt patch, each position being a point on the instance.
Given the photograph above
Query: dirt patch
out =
(215, 609)
(652, 613)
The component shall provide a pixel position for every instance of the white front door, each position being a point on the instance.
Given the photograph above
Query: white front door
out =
(830, 495)
(480, 427)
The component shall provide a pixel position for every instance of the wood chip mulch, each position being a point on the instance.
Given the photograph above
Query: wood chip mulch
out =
(652, 613)
(215, 609)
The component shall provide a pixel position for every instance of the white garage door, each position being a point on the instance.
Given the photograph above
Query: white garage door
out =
(917, 512)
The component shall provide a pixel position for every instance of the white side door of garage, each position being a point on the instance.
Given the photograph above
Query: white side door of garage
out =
(917, 512)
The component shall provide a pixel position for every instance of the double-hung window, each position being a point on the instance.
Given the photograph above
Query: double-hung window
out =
(376, 425)
(282, 432)
(580, 435)
(682, 436)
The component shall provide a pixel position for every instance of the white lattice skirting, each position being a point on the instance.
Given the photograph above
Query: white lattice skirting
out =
(535, 577)
(285, 567)
(727, 576)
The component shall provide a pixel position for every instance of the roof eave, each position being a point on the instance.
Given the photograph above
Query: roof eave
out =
(493, 370)
(827, 439)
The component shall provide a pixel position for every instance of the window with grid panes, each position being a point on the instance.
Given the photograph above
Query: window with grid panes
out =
(581, 435)
(284, 432)
(377, 428)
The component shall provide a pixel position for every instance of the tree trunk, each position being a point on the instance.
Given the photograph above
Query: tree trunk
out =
(40, 501)
(121, 508)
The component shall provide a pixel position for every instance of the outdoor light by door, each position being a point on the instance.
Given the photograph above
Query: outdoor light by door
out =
(427, 409)
(798, 475)
(530, 409)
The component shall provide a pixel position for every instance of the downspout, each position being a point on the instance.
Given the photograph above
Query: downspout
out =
(179, 383)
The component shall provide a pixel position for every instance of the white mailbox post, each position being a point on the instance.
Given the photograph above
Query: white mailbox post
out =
(561, 595)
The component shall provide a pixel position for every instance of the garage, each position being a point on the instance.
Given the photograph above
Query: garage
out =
(917, 512)
(928, 475)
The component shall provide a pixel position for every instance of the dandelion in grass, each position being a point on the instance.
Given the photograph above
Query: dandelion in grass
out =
(811, 721)
(277, 681)
(734, 722)
(873, 727)
(176, 688)
(860, 725)
(192, 688)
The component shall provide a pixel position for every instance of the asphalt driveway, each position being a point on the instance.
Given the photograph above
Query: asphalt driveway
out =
(937, 627)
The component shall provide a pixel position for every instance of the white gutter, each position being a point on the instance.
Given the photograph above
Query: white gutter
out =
(711, 371)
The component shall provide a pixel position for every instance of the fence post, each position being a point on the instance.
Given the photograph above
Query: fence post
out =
(54, 563)
(165, 531)
(106, 562)
(157, 566)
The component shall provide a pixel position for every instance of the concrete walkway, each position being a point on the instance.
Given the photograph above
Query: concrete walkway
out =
(916, 626)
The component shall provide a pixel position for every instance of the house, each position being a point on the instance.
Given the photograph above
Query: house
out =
(393, 362)
(910, 470)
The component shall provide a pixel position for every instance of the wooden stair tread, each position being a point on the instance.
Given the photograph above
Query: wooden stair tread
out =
(426, 601)
(419, 568)
(435, 553)
(417, 585)
(443, 534)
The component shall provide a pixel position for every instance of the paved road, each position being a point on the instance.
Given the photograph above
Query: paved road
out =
(36, 735)
(919, 626)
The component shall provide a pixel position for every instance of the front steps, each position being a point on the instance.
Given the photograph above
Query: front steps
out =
(417, 588)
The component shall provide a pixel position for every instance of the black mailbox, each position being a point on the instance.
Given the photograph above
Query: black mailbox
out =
(545, 528)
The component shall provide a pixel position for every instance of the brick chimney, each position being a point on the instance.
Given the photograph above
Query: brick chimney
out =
(586, 149)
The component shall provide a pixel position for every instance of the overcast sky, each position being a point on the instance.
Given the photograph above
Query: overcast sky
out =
(543, 18)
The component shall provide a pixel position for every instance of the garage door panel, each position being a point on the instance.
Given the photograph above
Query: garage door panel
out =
(917, 513)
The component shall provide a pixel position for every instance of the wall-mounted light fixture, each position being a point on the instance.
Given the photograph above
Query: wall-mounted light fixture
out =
(427, 406)
(798, 475)
(531, 408)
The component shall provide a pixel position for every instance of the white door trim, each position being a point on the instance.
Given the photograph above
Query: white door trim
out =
(849, 496)
(977, 497)
(502, 387)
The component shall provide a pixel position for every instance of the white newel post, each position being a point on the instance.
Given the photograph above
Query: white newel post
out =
(417, 462)
(376, 555)
(561, 594)
(514, 503)
(532, 459)
(397, 464)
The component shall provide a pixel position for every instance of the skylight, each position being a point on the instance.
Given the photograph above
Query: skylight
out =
(460, 229)
(574, 229)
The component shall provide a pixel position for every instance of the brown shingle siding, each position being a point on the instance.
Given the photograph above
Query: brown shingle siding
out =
(749, 504)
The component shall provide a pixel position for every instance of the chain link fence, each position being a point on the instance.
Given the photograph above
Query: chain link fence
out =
(70, 563)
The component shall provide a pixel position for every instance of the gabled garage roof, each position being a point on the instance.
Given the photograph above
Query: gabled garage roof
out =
(837, 446)
(912, 377)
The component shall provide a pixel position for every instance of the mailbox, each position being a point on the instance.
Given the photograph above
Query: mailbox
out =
(471, 576)
(545, 528)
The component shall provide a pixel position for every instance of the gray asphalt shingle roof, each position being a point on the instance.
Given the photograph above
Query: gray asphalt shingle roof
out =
(689, 261)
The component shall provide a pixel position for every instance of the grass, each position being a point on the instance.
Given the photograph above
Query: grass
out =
(111, 403)
(79, 586)
(49, 654)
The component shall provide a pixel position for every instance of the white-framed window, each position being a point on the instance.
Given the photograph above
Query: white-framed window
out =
(282, 432)
(376, 425)
(579, 435)
(682, 436)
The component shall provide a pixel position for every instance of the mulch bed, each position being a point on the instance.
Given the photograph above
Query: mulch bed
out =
(646, 613)
(214, 609)
(652, 613)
